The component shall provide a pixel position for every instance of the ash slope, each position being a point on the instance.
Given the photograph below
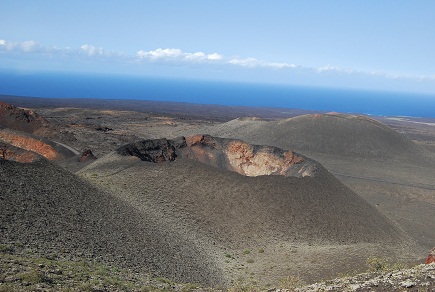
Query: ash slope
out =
(53, 211)
(238, 210)
(328, 134)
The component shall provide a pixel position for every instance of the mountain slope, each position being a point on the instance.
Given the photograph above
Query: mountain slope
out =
(51, 211)
(233, 208)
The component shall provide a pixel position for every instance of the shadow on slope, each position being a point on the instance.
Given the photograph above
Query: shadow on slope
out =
(52, 211)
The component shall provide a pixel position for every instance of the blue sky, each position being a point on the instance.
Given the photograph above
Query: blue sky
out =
(387, 45)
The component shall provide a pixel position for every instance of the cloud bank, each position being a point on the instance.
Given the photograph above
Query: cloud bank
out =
(177, 56)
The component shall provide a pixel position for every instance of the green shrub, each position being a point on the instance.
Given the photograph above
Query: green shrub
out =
(376, 264)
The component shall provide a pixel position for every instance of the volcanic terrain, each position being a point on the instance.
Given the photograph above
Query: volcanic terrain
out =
(251, 199)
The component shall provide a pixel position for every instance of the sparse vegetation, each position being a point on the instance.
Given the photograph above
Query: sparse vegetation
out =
(6, 248)
(377, 264)
(291, 282)
(241, 285)
(29, 272)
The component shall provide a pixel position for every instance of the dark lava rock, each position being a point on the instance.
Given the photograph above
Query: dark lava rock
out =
(158, 150)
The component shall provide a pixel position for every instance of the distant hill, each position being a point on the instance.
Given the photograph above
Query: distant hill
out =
(331, 134)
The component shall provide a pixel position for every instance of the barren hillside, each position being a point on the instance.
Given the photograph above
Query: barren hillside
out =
(52, 212)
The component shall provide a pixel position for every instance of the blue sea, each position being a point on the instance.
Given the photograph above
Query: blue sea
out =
(62, 85)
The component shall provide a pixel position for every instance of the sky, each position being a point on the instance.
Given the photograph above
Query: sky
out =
(383, 45)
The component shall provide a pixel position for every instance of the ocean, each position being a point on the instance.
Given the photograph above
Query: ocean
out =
(62, 85)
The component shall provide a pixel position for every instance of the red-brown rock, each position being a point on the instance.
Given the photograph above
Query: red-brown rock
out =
(10, 152)
(36, 144)
(431, 256)
(87, 155)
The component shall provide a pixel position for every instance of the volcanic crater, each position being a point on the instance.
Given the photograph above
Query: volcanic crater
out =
(226, 154)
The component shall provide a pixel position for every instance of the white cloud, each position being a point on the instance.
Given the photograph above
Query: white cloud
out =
(214, 56)
(195, 56)
(329, 68)
(160, 54)
(253, 62)
(91, 50)
(177, 55)
(248, 62)
(27, 46)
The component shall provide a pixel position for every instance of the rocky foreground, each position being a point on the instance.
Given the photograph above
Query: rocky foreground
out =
(29, 272)
(419, 278)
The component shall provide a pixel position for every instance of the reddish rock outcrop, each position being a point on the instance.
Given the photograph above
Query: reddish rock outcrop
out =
(9, 152)
(87, 155)
(431, 257)
(39, 145)
(228, 154)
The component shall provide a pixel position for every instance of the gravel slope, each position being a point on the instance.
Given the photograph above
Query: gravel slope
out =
(51, 211)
